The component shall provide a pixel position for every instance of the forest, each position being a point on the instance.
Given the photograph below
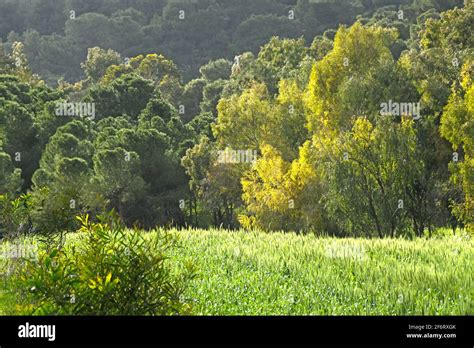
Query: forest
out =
(319, 121)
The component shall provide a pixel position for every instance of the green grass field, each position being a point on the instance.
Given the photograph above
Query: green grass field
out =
(255, 273)
(250, 273)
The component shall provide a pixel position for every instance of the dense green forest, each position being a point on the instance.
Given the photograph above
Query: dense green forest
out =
(209, 123)
(185, 113)
(58, 33)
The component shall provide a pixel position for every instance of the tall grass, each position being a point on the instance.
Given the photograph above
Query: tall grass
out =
(252, 273)
(256, 273)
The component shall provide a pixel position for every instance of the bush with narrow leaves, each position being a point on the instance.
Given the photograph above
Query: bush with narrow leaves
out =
(106, 270)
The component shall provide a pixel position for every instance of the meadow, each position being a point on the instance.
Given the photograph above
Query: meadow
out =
(257, 273)
(253, 273)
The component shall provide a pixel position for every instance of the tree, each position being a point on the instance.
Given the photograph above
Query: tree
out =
(10, 177)
(289, 122)
(356, 51)
(242, 120)
(6, 62)
(435, 67)
(268, 195)
(127, 95)
(161, 71)
(117, 178)
(71, 141)
(369, 175)
(457, 126)
(219, 69)
(18, 134)
(215, 184)
(192, 97)
(211, 95)
(158, 107)
(156, 167)
(280, 59)
(59, 185)
(98, 60)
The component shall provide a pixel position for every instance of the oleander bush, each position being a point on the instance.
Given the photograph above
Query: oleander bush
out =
(105, 270)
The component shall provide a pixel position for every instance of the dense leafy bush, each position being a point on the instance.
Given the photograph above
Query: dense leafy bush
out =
(15, 216)
(106, 270)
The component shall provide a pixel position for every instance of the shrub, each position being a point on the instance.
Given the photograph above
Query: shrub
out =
(107, 270)
(15, 216)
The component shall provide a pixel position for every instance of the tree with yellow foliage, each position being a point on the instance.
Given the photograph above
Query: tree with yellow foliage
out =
(457, 126)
